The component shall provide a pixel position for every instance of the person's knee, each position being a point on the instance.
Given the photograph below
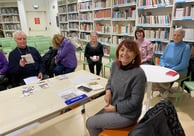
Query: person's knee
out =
(87, 123)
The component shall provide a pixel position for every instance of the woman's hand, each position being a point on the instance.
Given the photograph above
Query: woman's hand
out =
(110, 108)
(91, 58)
(97, 58)
(107, 97)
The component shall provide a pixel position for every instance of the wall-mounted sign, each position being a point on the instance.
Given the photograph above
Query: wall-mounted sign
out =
(37, 20)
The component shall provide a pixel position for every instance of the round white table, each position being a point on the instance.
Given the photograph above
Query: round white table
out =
(156, 74)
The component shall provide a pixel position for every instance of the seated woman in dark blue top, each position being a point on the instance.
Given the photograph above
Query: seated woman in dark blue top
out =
(94, 53)
(18, 68)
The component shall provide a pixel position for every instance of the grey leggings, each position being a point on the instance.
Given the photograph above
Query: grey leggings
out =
(103, 119)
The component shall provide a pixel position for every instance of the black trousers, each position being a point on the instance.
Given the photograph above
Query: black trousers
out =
(192, 67)
(91, 65)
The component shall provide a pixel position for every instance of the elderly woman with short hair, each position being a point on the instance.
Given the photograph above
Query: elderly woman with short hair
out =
(176, 57)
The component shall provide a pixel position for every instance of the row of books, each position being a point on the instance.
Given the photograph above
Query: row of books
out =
(157, 60)
(85, 5)
(158, 47)
(73, 25)
(123, 29)
(85, 36)
(63, 18)
(10, 19)
(86, 16)
(61, 2)
(184, 11)
(125, 13)
(120, 2)
(12, 27)
(189, 33)
(64, 26)
(154, 2)
(161, 34)
(103, 28)
(161, 19)
(103, 13)
(86, 26)
(63, 9)
(102, 3)
(65, 33)
(106, 50)
(116, 40)
(72, 8)
(162, 2)
(104, 40)
(73, 17)
(9, 34)
(12, 10)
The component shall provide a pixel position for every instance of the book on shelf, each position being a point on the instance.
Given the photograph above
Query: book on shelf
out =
(187, 11)
(192, 11)
(179, 12)
(157, 60)
(189, 34)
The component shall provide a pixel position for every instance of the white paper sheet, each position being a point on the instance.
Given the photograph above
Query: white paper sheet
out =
(28, 58)
(33, 79)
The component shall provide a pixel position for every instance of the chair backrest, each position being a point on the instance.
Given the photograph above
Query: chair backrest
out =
(43, 46)
(112, 54)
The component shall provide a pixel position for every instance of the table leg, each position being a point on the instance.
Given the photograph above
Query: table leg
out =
(149, 90)
(83, 109)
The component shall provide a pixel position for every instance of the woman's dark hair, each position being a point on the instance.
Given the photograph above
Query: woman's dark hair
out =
(141, 30)
(132, 46)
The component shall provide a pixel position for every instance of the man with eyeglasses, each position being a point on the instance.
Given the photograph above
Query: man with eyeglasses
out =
(24, 61)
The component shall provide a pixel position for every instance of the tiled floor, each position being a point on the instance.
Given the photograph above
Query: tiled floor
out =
(185, 110)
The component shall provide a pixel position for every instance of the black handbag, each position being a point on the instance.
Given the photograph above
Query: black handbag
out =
(3, 79)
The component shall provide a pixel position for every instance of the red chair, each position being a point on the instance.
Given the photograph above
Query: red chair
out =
(117, 132)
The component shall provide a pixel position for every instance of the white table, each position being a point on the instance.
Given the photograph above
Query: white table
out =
(17, 111)
(156, 74)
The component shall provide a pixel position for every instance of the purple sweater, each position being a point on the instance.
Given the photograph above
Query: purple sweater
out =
(3, 64)
(66, 54)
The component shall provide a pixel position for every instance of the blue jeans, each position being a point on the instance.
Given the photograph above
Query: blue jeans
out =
(60, 69)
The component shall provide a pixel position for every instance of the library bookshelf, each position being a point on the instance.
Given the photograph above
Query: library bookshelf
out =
(115, 20)
(9, 20)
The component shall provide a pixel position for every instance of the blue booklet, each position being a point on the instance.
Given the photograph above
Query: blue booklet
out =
(75, 99)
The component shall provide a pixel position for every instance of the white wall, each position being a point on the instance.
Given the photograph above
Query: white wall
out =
(22, 14)
(52, 12)
(51, 8)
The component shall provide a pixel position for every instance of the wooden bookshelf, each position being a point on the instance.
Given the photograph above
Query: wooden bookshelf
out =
(10, 21)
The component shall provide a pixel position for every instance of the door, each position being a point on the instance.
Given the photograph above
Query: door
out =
(37, 23)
